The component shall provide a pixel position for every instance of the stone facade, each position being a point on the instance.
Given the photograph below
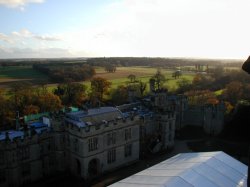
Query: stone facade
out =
(157, 129)
(27, 157)
(103, 145)
(88, 143)
(86, 151)
(210, 117)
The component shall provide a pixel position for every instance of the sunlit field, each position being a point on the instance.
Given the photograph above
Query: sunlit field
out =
(12, 74)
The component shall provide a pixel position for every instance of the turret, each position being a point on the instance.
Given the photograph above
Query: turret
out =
(152, 85)
(17, 120)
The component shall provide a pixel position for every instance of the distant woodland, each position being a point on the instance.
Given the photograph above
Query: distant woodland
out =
(66, 72)
(160, 62)
(124, 61)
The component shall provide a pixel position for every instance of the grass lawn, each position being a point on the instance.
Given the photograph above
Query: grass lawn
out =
(124, 72)
(143, 73)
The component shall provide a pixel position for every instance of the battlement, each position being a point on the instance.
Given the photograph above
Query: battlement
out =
(90, 129)
(22, 137)
(166, 116)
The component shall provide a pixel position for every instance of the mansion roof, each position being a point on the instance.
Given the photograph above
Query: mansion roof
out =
(94, 116)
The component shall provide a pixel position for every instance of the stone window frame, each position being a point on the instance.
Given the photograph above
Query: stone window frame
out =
(128, 134)
(111, 156)
(128, 150)
(111, 138)
(92, 144)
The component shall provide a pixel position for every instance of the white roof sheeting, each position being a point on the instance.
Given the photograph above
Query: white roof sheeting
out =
(206, 169)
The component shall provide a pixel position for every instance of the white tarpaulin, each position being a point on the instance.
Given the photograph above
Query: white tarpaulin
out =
(205, 169)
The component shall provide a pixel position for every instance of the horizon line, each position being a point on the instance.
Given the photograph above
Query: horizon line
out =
(166, 57)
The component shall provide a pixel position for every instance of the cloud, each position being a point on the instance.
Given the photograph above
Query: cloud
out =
(168, 28)
(25, 33)
(47, 37)
(18, 3)
(26, 44)
(208, 28)
(5, 38)
(47, 52)
(34, 53)
(22, 33)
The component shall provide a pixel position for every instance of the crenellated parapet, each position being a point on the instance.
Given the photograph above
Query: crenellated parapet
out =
(90, 129)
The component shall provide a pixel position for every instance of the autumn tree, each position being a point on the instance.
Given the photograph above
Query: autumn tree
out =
(49, 102)
(184, 85)
(27, 99)
(6, 112)
(119, 95)
(201, 97)
(132, 78)
(132, 85)
(66, 73)
(71, 94)
(217, 72)
(142, 87)
(177, 74)
(31, 109)
(228, 107)
(110, 68)
(233, 92)
(159, 79)
(99, 87)
(138, 87)
(21, 95)
(197, 79)
(201, 82)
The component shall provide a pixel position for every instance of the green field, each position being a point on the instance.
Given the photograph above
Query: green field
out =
(19, 73)
(144, 73)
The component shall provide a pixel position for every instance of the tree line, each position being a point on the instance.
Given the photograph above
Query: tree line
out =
(66, 73)
(160, 62)
(27, 99)
(233, 86)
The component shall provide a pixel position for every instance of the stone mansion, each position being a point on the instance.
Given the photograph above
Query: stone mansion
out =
(90, 142)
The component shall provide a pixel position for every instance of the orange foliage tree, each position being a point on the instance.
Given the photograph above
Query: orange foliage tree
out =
(99, 87)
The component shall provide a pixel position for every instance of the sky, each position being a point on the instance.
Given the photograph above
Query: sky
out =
(121, 28)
